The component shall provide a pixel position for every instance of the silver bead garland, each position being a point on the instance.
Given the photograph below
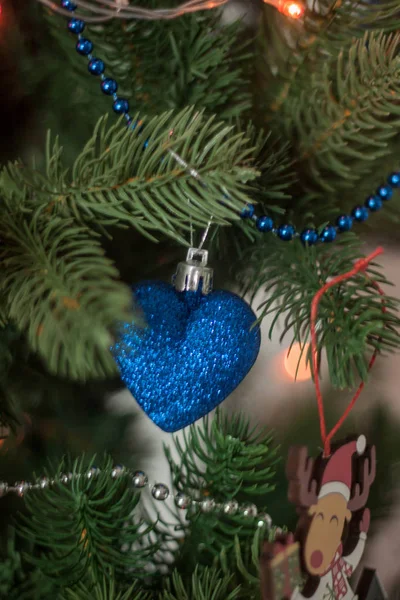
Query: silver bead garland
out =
(182, 500)
(159, 491)
(230, 507)
(139, 479)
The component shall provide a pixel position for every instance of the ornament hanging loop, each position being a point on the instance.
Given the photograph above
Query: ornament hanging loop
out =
(194, 275)
(360, 265)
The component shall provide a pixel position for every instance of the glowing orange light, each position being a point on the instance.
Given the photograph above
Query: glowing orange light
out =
(292, 9)
(295, 363)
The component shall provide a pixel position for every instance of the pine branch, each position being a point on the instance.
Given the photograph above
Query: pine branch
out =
(226, 459)
(240, 450)
(114, 181)
(107, 589)
(352, 322)
(162, 65)
(271, 188)
(346, 122)
(292, 52)
(205, 583)
(83, 540)
(90, 524)
(62, 292)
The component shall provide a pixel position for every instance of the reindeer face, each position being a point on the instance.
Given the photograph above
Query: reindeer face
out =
(325, 532)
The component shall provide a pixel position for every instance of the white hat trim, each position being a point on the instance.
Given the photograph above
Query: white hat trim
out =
(335, 487)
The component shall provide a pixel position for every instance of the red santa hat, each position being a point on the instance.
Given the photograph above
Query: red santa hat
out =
(337, 476)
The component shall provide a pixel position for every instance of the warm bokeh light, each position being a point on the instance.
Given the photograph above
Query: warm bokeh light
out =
(291, 8)
(295, 10)
(297, 371)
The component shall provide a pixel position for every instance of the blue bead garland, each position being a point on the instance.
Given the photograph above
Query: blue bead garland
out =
(265, 224)
(385, 192)
(76, 26)
(394, 180)
(344, 223)
(109, 86)
(96, 66)
(360, 213)
(374, 203)
(286, 232)
(121, 106)
(248, 212)
(328, 234)
(68, 5)
(309, 237)
(84, 46)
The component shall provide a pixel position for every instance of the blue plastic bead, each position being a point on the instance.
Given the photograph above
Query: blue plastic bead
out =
(286, 232)
(96, 66)
(309, 237)
(394, 179)
(373, 203)
(360, 213)
(109, 86)
(68, 5)
(76, 26)
(84, 46)
(385, 192)
(248, 212)
(264, 224)
(121, 106)
(328, 234)
(344, 222)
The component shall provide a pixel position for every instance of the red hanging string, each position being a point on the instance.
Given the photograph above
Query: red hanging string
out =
(360, 265)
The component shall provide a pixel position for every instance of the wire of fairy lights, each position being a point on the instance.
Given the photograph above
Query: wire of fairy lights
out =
(97, 11)
(104, 10)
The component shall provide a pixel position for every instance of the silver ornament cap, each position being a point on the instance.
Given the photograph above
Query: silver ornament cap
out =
(193, 274)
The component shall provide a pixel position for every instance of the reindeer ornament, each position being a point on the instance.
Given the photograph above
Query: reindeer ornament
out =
(328, 507)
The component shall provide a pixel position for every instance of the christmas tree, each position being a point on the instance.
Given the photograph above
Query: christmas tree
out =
(268, 149)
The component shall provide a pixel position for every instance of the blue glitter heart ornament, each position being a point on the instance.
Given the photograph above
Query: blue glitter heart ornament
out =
(193, 352)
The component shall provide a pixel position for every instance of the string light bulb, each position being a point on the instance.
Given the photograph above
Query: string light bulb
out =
(295, 363)
(290, 8)
(295, 10)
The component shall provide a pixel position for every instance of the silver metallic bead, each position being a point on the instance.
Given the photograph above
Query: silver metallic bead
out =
(250, 510)
(92, 473)
(3, 488)
(264, 520)
(64, 478)
(139, 479)
(117, 472)
(44, 482)
(182, 500)
(160, 491)
(21, 488)
(207, 505)
(230, 507)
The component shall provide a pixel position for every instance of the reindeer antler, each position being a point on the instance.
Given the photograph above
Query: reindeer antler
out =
(299, 471)
(360, 496)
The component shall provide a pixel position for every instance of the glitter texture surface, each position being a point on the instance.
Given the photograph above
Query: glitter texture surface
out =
(194, 351)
